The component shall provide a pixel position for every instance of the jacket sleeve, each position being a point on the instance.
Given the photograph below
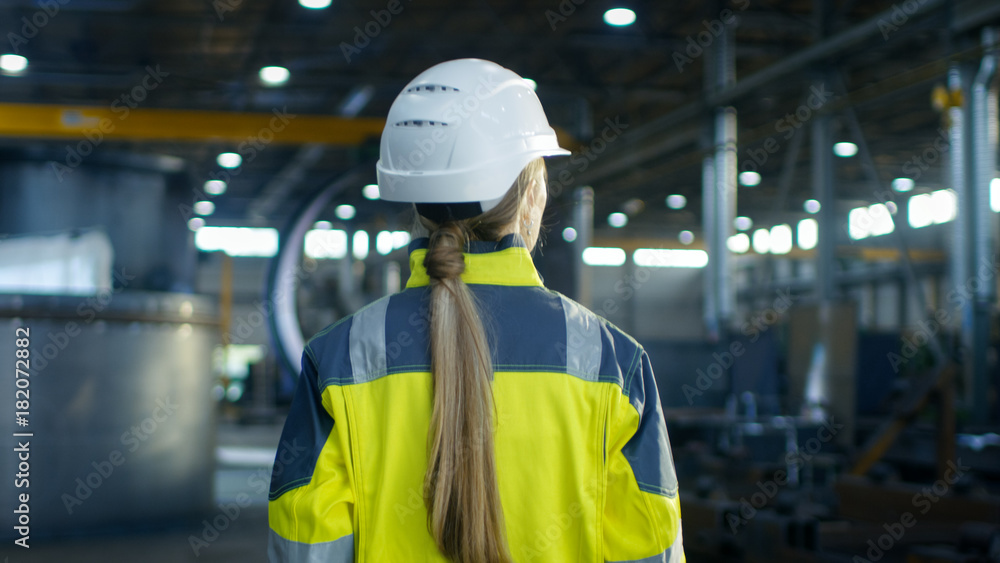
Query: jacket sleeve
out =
(642, 516)
(311, 499)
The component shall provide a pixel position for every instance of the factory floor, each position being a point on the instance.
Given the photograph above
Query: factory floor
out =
(244, 454)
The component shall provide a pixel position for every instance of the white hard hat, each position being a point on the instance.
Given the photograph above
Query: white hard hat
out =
(461, 132)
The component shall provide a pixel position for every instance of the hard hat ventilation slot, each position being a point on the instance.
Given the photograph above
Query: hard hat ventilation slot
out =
(420, 123)
(430, 88)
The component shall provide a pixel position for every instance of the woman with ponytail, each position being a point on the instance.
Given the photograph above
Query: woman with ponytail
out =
(475, 417)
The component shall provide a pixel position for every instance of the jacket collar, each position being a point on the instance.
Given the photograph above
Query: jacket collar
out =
(504, 262)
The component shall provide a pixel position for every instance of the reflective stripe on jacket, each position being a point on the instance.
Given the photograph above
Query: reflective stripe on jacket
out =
(583, 459)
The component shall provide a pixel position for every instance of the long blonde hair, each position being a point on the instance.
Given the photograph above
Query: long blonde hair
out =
(464, 514)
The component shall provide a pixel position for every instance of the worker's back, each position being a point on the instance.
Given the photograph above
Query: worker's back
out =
(583, 463)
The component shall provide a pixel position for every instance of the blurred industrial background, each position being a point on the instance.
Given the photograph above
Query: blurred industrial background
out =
(792, 204)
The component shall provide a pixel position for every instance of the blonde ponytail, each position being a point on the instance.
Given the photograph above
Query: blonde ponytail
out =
(464, 514)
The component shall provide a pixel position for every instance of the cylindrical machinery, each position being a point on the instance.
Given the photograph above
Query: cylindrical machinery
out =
(120, 419)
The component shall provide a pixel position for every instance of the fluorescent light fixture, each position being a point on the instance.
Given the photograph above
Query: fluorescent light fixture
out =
(812, 206)
(345, 212)
(749, 178)
(995, 195)
(686, 237)
(215, 187)
(808, 233)
(738, 243)
(196, 223)
(618, 220)
(762, 241)
(531, 83)
(619, 17)
(903, 184)
(602, 256)
(569, 234)
(743, 223)
(945, 205)
(326, 243)
(845, 149)
(676, 201)
(273, 75)
(323, 225)
(13, 64)
(315, 4)
(238, 241)
(781, 239)
(874, 220)
(204, 207)
(400, 239)
(229, 160)
(383, 242)
(359, 248)
(370, 191)
(670, 258)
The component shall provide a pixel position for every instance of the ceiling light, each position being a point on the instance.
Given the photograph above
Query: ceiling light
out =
(762, 241)
(598, 256)
(781, 239)
(808, 233)
(229, 160)
(215, 187)
(619, 17)
(618, 220)
(13, 64)
(749, 178)
(359, 248)
(738, 243)
(569, 234)
(845, 149)
(315, 4)
(204, 207)
(743, 223)
(370, 191)
(670, 258)
(811, 206)
(676, 201)
(686, 237)
(323, 225)
(345, 212)
(274, 75)
(903, 184)
(196, 223)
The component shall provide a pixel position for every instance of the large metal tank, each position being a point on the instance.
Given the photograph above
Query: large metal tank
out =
(120, 413)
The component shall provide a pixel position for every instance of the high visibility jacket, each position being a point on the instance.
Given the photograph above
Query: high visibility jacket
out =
(583, 461)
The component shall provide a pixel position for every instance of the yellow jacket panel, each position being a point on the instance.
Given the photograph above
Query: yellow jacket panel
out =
(583, 460)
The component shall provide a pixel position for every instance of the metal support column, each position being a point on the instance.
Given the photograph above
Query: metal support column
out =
(583, 222)
(985, 132)
(719, 192)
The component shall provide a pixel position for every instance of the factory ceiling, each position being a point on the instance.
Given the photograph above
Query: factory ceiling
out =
(632, 99)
